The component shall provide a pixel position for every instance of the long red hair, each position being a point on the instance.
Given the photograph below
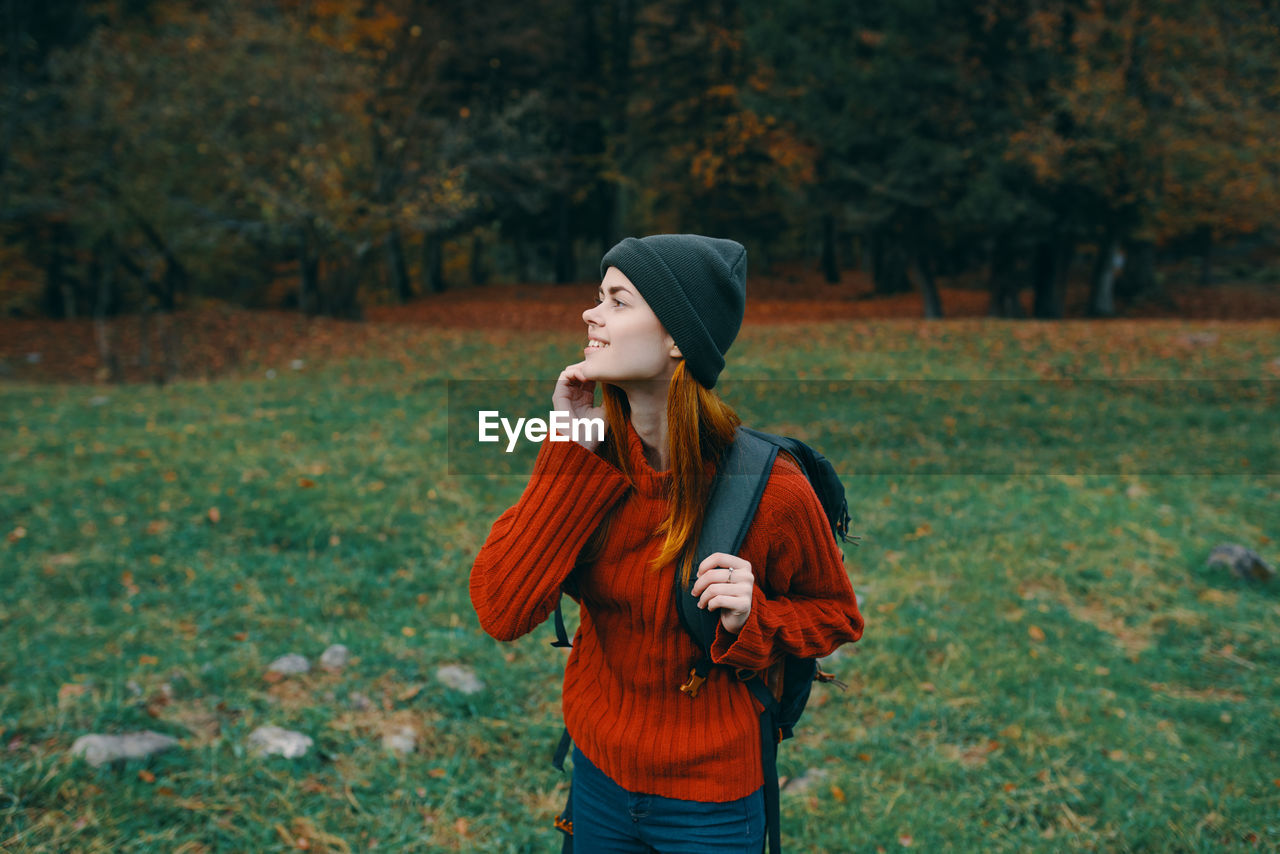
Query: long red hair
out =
(700, 426)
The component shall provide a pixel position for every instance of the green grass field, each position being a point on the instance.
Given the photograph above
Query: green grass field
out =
(1048, 664)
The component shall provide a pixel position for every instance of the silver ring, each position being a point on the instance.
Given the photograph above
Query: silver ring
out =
(730, 575)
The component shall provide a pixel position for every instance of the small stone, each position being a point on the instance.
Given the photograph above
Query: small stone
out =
(401, 739)
(334, 657)
(33, 358)
(1244, 563)
(133, 688)
(359, 701)
(296, 364)
(98, 749)
(99, 400)
(276, 741)
(290, 664)
(805, 781)
(1201, 338)
(459, 679)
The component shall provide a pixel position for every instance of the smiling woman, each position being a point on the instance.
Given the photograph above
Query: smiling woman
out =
(615, 522)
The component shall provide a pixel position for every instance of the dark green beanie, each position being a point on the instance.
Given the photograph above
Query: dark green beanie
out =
(697, 286)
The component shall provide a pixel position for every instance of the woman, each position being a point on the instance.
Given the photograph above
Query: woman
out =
(609, 522)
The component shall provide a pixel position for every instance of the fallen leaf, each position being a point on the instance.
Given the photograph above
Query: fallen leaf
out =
(306, 482)
(838, 794)
(146, 776)
(1036, 633)
(215, 515)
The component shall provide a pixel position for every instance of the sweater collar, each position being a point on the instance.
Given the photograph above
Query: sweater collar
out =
(648, 481)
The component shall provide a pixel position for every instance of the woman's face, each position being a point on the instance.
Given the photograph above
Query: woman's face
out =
(625, 339)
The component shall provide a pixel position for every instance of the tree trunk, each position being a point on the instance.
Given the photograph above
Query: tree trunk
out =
(59, 295)
(478, 273)
(1206, 256)
(622, 34)
(1102, 294)
(918, 273)
(108, 359)
(830, 265)
(564, 241)
(1052, 264)
(433, 262)
(400, 284)
(309, 272)
(1003, 280)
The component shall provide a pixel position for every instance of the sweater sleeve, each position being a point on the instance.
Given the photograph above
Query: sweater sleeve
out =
(532, 547)
(811, 608)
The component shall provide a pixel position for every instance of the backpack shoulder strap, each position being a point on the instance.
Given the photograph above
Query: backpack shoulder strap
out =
(735, 494)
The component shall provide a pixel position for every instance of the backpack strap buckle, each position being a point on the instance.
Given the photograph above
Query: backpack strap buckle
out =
(695, 683)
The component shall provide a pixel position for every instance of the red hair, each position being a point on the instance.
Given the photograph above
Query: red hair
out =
(700, 426)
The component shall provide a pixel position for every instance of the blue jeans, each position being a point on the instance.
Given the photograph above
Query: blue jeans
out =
(608, 819)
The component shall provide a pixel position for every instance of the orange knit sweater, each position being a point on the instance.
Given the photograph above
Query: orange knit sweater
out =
(622, 700)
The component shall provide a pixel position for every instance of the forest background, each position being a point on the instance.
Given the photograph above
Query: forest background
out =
(332, 156)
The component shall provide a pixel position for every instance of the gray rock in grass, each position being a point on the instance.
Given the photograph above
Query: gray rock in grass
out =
(1243, 563)
(459, 678)
(276, 741)
(402, 739)
(98, 749)
(334, 657)
(290, 664)
(806, 781)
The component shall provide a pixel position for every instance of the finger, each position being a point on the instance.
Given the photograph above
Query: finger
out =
(736, 604)
(720, 559)
(720, 590)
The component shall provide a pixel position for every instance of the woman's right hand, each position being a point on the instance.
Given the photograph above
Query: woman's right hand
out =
(576, 394)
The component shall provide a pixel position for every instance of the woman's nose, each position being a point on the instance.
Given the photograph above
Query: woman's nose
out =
(588, 316)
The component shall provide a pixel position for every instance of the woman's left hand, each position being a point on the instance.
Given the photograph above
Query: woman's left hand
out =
(725, 583)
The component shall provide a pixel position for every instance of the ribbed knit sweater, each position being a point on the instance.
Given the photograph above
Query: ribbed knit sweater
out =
(622, 700)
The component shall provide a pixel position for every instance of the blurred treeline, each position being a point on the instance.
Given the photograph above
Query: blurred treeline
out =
(324, 154)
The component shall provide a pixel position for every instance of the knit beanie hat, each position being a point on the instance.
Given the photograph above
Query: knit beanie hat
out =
(697, 286)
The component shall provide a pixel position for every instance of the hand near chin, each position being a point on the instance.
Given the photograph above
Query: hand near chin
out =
(576, 395)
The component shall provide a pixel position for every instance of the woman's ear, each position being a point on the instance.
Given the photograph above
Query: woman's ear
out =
(675, 351)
